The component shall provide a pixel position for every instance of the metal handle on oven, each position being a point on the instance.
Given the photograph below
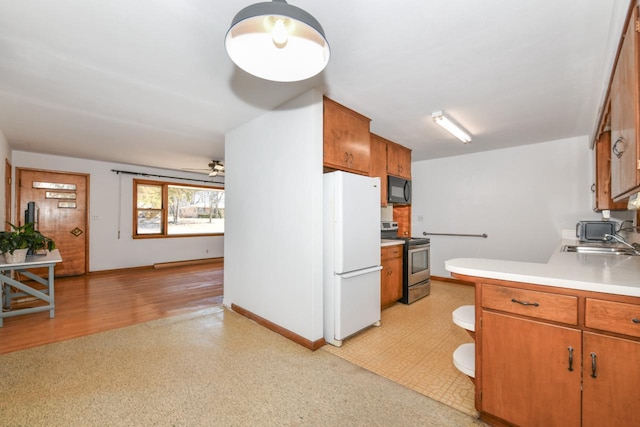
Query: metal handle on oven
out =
(414, 248)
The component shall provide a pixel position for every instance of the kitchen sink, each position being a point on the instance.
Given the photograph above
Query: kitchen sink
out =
(611, 250)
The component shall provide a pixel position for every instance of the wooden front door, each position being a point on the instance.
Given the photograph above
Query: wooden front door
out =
(61, 199)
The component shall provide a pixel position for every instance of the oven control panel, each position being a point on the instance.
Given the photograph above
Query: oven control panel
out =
(388, 226)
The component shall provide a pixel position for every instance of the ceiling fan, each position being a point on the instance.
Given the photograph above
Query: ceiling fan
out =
(216, 168)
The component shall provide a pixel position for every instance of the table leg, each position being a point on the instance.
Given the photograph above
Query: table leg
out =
(52, 312)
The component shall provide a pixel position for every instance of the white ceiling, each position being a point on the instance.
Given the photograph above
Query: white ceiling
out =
(148, 82)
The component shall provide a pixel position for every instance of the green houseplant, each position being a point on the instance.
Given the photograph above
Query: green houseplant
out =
(23, 239)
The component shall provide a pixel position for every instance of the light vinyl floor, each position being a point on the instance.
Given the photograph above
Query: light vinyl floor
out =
(414, 346)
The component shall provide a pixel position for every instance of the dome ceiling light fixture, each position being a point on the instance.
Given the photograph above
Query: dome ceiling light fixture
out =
(277, 41)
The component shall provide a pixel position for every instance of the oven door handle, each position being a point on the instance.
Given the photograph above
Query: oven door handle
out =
(419, 247)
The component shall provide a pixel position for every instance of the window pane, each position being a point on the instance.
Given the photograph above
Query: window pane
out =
(149, 222)
(194, 210)
(149, 196)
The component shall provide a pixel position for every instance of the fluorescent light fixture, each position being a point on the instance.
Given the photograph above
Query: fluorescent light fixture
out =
(451, 127)
(277, 41)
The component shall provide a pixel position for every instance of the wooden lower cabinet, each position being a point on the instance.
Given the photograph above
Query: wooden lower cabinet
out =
(525, 371)
(612, 397)
(390, 275)
(551, 356)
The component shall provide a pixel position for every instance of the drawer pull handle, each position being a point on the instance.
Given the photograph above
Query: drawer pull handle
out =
(570, 358)
(635, 320)
(535, 304)
(593, 366)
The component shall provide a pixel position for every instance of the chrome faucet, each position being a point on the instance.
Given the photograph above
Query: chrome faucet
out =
(635, 247)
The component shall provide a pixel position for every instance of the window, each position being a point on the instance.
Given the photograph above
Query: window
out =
(167, 210)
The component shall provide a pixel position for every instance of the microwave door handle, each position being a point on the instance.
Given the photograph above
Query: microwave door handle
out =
(406, 193)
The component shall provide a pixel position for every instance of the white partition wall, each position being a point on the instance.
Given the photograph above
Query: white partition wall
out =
(273, 238)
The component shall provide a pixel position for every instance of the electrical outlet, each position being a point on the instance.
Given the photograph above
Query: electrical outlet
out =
(420, 218)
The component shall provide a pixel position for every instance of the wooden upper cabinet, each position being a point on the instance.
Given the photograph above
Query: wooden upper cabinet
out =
(379, 164)
(398, 160)
(625, 177)
(346, 139)
(602, 186)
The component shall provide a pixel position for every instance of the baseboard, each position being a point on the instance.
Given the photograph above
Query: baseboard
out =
(311, 345)
(219, 260)
(451, 280)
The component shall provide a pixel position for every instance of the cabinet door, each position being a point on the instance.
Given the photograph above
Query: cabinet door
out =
(379, 165)
(346, 138)
(398, 160)
(525, 371)
(611, 398)
(391, 275)
(624, 111)
(603, 199)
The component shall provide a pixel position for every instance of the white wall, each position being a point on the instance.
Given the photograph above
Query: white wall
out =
(521, 197)
(111, 208)
(5, 153)
(273, 202)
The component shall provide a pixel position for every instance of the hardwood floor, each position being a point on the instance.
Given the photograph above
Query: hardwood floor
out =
(99, 302)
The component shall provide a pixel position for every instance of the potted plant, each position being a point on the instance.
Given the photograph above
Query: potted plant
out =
(15, 244)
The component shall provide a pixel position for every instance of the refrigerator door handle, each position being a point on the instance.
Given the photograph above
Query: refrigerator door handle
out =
(360, 272)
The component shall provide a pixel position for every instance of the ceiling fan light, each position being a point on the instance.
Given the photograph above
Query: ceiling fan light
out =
(277, 41)
(454, 129)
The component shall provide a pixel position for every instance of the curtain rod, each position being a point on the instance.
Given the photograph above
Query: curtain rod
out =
(164, 176)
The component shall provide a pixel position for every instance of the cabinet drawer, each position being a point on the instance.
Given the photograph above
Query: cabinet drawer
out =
(611, 316)
(541, 305)
(389, 252)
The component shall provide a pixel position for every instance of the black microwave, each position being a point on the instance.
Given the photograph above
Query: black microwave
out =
(398, 190)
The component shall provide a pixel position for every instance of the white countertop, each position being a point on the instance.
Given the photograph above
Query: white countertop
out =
(391, 242)
(612, 274)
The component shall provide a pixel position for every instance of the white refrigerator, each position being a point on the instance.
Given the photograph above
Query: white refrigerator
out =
(351, 255)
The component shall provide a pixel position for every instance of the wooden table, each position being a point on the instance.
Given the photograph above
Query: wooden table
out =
(44, 293)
